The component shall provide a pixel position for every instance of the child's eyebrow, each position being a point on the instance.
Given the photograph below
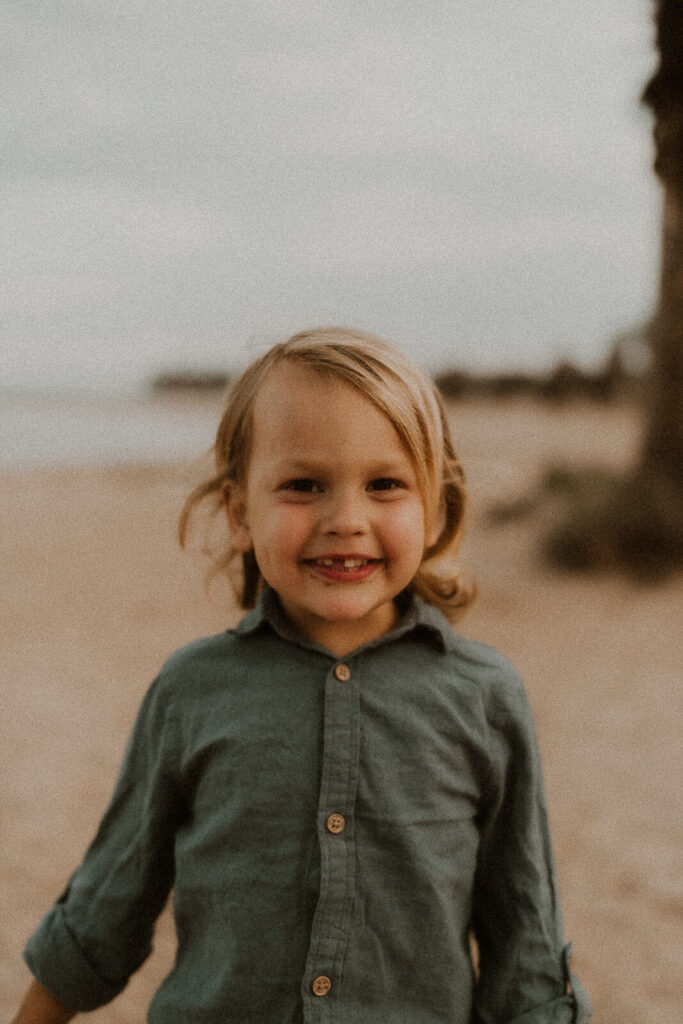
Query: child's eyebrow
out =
(312, 466)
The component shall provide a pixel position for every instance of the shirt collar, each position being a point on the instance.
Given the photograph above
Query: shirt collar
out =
(417, 616)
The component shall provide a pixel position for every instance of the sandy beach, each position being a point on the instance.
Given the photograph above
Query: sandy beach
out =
(97, 594)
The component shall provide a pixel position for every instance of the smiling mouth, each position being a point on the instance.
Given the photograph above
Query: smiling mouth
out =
(342, 564)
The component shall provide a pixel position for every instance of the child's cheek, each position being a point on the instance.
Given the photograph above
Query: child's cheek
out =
(405, 521)
(290, 524)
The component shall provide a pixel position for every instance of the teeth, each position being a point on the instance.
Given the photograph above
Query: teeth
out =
(347, 563)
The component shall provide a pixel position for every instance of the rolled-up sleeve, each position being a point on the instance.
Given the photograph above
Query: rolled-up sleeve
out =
(524, 975)
(100, 930)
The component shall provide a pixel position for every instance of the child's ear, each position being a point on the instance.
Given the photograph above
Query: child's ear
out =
(234, 500)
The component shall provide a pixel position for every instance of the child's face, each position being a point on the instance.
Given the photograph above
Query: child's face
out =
(331, 508)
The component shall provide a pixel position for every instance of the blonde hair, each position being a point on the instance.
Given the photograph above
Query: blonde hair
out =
(399, 389)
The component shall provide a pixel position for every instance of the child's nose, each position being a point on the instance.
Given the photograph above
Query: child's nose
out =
(345, 515)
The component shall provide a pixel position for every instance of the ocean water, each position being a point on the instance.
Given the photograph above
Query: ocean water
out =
(41, 429)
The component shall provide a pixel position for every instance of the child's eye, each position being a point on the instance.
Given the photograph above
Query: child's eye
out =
(385, 483)
(302, 485)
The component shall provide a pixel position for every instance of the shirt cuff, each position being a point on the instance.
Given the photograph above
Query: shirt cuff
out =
(572, 1008)
(54, 957)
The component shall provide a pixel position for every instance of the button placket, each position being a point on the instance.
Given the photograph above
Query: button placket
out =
(338, 785)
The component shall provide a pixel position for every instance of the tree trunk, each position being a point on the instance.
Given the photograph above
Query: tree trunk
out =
(663, 448)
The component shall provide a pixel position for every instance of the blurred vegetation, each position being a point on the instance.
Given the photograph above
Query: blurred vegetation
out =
(189, 380)
(635, 524)
(565, 382)
(601, 520)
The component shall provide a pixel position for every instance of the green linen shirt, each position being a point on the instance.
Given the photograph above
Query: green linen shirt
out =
(333, 831)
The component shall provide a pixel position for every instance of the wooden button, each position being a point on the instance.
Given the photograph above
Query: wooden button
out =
(321, 985)
(336, 823)
(342, 672)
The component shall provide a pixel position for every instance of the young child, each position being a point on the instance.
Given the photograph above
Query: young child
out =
(341, 790)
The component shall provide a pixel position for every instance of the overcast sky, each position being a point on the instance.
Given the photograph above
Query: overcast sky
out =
(184, 182)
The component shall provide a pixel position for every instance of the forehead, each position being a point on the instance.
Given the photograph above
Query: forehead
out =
(298, 409)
